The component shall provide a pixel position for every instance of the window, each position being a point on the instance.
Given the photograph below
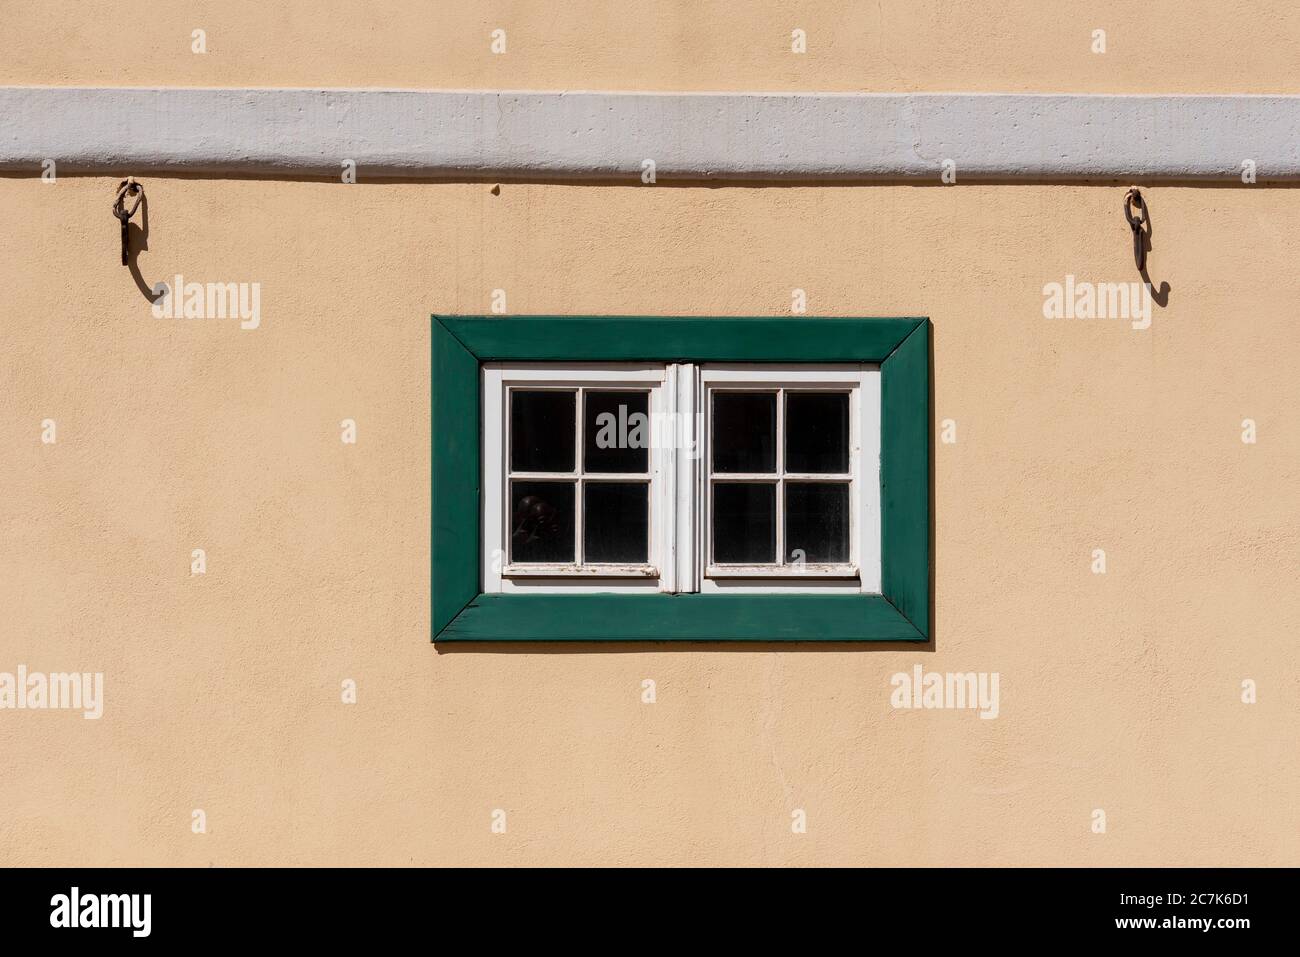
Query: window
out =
(680, 477)
(621, 478)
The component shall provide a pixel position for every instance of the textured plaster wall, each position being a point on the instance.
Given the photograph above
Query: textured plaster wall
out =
(1161, 46)
(1118, 691)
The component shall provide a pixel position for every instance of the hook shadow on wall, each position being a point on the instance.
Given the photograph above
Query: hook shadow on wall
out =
(130, 189)
(1138, 215)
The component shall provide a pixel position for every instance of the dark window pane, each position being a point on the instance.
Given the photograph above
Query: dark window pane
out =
(541, 431)
(817, 521)
(615, 522)
(616, 432)
(541, 522)
(744, 431)
(744, 523)
(817, 432)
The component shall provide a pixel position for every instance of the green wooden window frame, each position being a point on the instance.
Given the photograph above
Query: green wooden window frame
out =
(461, 612)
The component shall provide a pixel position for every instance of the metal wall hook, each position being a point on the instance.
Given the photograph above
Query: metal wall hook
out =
(1135, 211)
(128, 187)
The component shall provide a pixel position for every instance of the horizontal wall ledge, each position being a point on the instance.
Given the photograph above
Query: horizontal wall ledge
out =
(611, 136)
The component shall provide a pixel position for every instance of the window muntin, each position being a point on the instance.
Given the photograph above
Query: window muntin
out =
(784, 459)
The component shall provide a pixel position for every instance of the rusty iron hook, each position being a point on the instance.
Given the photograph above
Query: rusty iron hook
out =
(127, 187)
(1133, 201)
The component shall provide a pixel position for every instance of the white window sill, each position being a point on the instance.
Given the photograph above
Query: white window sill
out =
(579, 571)
(791, 572)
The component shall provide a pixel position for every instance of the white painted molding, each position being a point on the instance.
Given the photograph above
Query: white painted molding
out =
(607, 136)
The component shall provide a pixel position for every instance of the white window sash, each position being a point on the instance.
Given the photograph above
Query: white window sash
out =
(502, 576)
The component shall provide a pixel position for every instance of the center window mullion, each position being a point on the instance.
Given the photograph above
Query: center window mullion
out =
(579, 439)
(780, 481)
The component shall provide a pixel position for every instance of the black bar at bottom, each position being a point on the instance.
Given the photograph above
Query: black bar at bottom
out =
(335, 906)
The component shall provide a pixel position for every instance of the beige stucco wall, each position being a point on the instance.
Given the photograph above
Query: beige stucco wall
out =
(1119, 692)
(1160, 46)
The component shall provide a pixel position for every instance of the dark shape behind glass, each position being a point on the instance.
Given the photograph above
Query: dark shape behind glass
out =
(541, 522)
